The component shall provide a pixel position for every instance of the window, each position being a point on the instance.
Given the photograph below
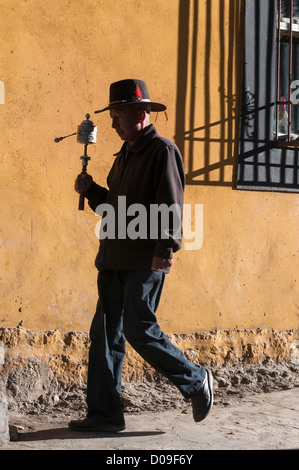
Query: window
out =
(268, 157)
(286, 130)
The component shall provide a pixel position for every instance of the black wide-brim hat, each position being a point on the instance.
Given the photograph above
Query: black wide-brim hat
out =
(130, 92)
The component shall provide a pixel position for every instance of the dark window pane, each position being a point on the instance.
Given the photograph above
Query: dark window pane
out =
(285, 8)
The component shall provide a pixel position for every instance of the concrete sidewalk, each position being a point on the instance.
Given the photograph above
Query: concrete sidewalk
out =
(263, 421)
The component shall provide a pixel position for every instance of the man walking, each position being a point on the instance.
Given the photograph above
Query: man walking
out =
(147, 171)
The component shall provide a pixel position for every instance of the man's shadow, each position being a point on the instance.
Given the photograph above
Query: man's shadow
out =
(65, 433)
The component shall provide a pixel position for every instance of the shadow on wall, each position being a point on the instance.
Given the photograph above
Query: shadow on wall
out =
(209, 149)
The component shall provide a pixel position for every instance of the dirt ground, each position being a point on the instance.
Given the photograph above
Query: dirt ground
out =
(250, 401)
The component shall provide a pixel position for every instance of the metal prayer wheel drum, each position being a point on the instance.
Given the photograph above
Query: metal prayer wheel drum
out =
(87, 132)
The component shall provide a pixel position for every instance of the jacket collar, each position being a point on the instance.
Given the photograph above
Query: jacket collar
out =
(147, 134)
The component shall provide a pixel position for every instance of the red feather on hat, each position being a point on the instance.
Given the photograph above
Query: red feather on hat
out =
(138, 92)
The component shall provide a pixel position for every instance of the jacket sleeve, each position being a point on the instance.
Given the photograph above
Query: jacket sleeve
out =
(169, 184)
(96, 195)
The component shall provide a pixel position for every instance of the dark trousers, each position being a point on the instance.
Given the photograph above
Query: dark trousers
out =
(126, 310)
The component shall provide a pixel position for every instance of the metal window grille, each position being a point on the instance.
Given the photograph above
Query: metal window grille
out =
(287, 102)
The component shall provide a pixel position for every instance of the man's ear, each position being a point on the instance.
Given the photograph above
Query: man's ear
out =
(141, 115)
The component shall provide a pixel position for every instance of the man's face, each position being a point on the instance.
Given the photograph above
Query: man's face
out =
(125, 121)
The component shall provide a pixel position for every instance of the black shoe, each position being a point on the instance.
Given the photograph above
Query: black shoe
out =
(202, 401)
(97, 424)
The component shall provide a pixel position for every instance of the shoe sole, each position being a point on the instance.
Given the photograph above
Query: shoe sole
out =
(210, 385)
(104, 428)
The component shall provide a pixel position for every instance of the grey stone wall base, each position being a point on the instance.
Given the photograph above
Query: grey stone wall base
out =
(4, 429)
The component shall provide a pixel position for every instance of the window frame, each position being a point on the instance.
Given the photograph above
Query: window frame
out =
(262, 164)
(289, 103)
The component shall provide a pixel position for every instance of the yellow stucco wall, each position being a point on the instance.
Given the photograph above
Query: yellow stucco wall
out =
(57, 59)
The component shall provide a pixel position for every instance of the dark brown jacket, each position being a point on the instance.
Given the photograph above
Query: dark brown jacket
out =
(152, 172)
